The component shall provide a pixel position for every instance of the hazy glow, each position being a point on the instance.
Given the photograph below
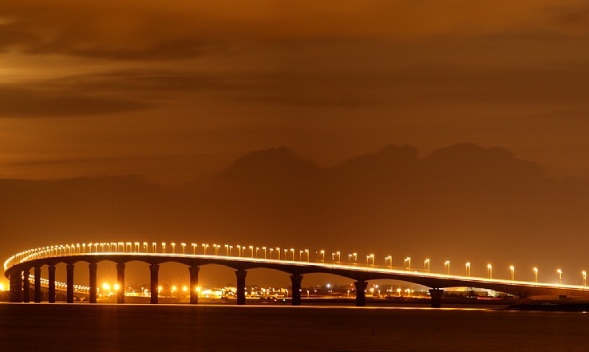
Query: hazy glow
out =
(429, 122)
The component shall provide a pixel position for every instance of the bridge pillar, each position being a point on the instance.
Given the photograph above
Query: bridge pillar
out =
(26, 289)
(436, 295)
(121, 282)
(92, 281)
(70, 283)
(37, 273)
(16, 287)
(154, 268)
(51, 298)
(360, 292)
(194, 283)
(240, 286)
(296, 289)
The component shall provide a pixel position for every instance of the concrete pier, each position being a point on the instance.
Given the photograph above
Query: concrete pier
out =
(26, 286)
(154, 269)
(360, 293)
(16, 287)
(121, 282)
(70, 283)
(37, 273)
(194, 283)
(240, 286)
(51, 298)
(296, 289)
(93, 281)
(436, 295)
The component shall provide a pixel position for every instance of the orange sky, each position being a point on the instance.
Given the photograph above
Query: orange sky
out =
(176, 89)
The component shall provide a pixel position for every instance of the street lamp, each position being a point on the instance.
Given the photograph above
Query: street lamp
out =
(426, 264)
(512, 269)
(278, 251)
(265, 256)
(408, 261)
(193, 248)
(173, 247)
(239, 250)
(490, 270)
(293, 254)
(447, 265)
(252, 250)
(322, 256)
(204, 248)
(468, 269)
(535, 274)
(183, 247)
(339, 257)
(584, 273)
(559, 276)
(372, 257)
(390, 259)
(307, 253)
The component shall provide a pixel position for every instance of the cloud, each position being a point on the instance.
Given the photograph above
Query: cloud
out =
(21, 102)
(149, 30)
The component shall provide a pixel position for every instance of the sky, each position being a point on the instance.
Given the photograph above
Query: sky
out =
(176, 91)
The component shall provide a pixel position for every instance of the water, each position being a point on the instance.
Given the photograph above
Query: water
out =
(84, 327)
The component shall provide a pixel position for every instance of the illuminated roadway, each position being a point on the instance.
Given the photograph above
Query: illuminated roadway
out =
(18, 271)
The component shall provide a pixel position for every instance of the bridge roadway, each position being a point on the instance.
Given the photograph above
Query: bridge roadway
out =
(18, 271)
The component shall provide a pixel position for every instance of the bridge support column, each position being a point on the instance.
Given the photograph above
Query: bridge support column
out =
(121, 282)
(37, 273)
(92, 281)
(360, 292)
(26, 288)
(194, 283)
(436, 295)
(240, 286)
(154, 268)
(296, 289)
(70, 283)
(16, 287)
(51, 298)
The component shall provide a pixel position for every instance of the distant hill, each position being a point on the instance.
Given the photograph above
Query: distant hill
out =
(463, 200)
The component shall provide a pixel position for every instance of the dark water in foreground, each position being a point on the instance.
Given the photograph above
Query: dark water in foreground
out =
(83, 327)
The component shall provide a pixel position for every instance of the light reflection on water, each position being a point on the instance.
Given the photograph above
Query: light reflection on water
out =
(62, 327)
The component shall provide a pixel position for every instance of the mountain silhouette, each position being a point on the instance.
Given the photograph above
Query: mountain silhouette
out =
(463, 201)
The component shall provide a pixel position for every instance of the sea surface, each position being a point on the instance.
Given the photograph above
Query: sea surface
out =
(106, 327)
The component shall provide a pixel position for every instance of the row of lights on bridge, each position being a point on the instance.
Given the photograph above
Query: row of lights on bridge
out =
(289, 254)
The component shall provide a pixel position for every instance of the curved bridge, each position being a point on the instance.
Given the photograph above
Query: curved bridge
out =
(18, 271)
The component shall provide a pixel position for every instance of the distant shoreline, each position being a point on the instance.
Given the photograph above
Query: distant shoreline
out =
(556, 305)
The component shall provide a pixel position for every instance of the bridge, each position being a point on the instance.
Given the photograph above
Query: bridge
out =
(18, 270)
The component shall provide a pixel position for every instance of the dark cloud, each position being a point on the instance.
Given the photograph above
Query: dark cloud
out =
(20, 102)
(107, 31)
(147, 31)
(130, 81)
